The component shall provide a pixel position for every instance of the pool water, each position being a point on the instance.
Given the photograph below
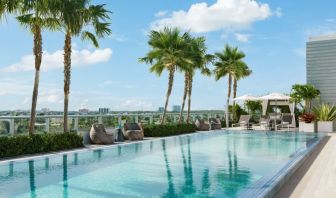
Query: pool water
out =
(209, 164)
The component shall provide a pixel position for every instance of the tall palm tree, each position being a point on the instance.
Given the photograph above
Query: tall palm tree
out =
(226, 65)
(242, 71)
(35, 17)
(200, 60)
(168, 52)
(76, 17)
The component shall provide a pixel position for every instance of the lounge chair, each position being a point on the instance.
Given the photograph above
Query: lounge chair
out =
(215, 123)
(98, 135)
(201, 125)
(264, 123)
(286, 121)
(133, 131)
(244, 121)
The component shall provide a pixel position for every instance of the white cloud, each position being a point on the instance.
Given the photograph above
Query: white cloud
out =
(117, 37)
(242, 37)
(51, 61)
(224, 14)
(278, 12)
(161, 13)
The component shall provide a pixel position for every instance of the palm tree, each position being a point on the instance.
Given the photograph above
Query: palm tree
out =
(168, 52)
(242, 71)
(197, 52)
(304, 93)
(35, 17)
(226, 65)
(76, 17)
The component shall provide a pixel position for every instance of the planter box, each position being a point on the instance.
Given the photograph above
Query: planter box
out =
(325, 126)
(308, 127)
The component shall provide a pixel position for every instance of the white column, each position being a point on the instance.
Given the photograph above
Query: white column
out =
(12, 126)
(264, 106)
(76, 124)
(47, 123)
(100, 120)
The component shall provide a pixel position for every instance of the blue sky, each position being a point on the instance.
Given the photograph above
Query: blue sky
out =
(272, 33)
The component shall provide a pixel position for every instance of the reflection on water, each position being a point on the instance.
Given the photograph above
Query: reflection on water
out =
(32, 179)
(202, 165)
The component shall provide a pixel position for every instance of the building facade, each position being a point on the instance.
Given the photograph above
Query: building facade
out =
(103, 110)
(321, 66)
(176, 108)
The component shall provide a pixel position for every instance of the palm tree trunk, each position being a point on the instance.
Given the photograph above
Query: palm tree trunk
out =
(235, 86)
(38, 59)
(67, 77)
(228, 100)
(170, 87)
(189, 96)
(186, 81)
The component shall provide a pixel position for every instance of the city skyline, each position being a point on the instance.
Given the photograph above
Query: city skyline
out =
(112, 77)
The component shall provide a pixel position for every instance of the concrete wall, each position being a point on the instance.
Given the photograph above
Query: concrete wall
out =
(321, 67)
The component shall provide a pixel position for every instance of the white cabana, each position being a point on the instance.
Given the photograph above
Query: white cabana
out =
(278, 99)
(246, 97)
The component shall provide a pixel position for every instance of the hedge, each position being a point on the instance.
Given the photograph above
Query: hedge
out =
(11, 146)
(168, 130)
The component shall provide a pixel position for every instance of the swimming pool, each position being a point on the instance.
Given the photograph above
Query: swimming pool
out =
(207, 164)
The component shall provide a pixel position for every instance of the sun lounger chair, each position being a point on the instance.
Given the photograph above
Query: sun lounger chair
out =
(244, 121)
(98, 135)
(133, 131)
(286, 121)
(201, 125)
(215, 123)
(264, 123)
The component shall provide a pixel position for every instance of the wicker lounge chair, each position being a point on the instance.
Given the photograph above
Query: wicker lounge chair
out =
(264, 123)
(133, 131)
(215, 123)
(98, 135)
(201, 125)
(244, 121)
(286, 121)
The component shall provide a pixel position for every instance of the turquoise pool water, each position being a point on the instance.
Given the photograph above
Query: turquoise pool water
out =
(210, 164)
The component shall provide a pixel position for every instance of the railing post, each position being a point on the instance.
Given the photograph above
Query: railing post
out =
(151, 119)
(136, 119)
(12, 126)
(119, 120)
(100, 120)
(47, 123)
(76, 124)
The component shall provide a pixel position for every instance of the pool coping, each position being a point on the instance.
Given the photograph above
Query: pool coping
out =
(90, 148)
(268, 186)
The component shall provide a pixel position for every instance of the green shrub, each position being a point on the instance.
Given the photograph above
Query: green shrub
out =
(23, 144)
(168, 130)
(325, 112)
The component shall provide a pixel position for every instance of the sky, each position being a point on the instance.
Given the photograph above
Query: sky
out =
(271, 33)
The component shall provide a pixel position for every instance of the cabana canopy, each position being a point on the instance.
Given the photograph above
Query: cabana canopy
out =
(273, 99)
(246, 97)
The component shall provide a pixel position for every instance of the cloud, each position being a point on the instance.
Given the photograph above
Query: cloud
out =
(242, 37)
(161, 13)
(326, 28)
(117, 37)
(51, 61)
(224, 14)
(278, 12)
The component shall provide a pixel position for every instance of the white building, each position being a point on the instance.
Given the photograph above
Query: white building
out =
(321, 66)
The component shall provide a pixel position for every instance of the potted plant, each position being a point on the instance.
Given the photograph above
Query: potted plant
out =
(326, 116)
(307, 123)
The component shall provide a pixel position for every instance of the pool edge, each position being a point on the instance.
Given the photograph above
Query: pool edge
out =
(270, 186)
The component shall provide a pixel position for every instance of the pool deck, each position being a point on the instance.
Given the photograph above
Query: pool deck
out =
(317, 176)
